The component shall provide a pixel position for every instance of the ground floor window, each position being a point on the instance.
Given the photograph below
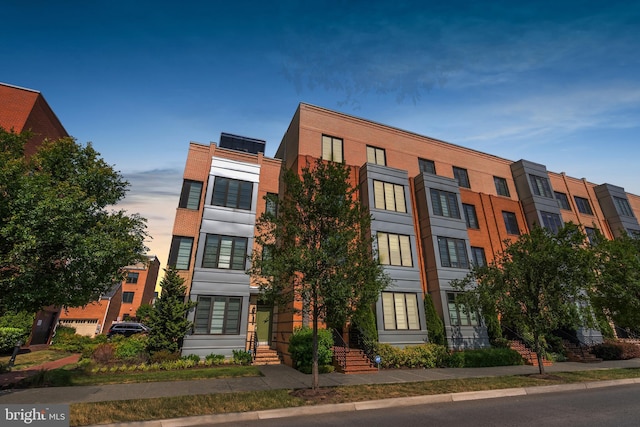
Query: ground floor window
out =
(400, 311)
(459, 314)
(218, 315)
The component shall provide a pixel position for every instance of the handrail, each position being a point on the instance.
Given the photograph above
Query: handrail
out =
(253, 345)
(524, 340)
(363, 341)
(574, 340)
(340, 348)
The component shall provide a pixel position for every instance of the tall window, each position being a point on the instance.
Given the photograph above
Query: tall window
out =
(478, 256)
(445, 203)
(563, 200)
(394, 249)
(224, 252)
(591, 234)
(400, 311)
(622, 206)
(551, 221)
(540, 186)
(180, 252)
(459, 314)
(271, 204)
(132, 277)
(462, 177)
(127, 297)
(232, 193)
(332, 149)
(190, 195)
(453, 252)
(501, 186)
(511, 222)
(470, 216)
(376, 155)
(583, 205)
(218, 315)
(389, 196)
(427, 166)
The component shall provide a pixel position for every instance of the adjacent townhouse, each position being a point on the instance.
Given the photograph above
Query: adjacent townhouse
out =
(437, 208)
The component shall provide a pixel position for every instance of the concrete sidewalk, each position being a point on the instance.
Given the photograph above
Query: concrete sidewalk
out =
(278, 377)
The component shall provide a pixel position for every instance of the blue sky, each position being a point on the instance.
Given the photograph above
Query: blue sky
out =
(556, 83)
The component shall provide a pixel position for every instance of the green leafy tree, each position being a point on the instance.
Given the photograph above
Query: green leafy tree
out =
(168, 318)
(60, 244)
(617, 292)
(435, 327)
(316, 253)
(538, 284)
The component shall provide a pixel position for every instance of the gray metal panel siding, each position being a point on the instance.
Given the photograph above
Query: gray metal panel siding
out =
(532, 204)
(617, 223)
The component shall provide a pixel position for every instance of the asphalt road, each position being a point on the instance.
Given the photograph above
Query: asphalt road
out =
(603, 407)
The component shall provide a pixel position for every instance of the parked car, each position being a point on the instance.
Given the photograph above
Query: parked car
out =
(127, 329)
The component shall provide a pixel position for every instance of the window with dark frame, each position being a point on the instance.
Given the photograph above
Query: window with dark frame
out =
(132, 277)
(427, 166)
(232, 193)
(453, 252)
(461, 175)
(332, 149)
(478, 256)
(225, 252)
(190, 195)
(388, 196)
(445, 203)
(563, 200)
(180, 252)
(540, 186)
(551, 221)
(394, 249)
(591, 234)
(501, 186)
(376, 156)
(400, 311)
(218, 315)
(271, 204)
(622, 207)
(127, 297)
(459, 314)
(511, 223)
(583, 205)
(470, 216)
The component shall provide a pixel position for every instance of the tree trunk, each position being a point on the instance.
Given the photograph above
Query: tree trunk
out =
(538, 349)
(314, 366)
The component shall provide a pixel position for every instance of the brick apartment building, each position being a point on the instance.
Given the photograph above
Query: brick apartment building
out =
(437, 207)
(119, 304)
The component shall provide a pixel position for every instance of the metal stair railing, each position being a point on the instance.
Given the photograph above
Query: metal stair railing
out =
(340, 349)
(511, 334)
(359, 339)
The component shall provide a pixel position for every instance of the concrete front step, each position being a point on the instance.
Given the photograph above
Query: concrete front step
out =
(356, 362)
(266, 356)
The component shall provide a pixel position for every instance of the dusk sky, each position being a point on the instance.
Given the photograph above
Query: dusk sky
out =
(554, 82)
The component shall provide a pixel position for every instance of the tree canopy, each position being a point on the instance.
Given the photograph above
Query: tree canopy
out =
(59, 243)
(316, 251)
(538, 284)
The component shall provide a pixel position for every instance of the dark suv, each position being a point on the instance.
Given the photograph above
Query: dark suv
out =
(127, 329)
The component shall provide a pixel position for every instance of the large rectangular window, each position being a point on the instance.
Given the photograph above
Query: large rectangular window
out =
(218, 315)
(127, 297)
(453, 252)
(190, 195)
(511, 222)
(394, 249)
(224, 252)
(427, 166)
(132, 277)
(459, 314)
(445, 203)
(470, 216)
(551, 221)
(376, 155)
(389, 196)
(400, 311)
(540, 186)
(501, 186)
(622, 207)
(462, 177)
(478, 256)
(332, 149)
(583, 205)
(232, 193)
(563, 200)
(180, 252)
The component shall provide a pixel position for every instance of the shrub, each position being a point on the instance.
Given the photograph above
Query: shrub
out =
(435, 327)
(214, 359)
(22, 320)
(484, 357)
(242, 357)
(616, 350)
(193, 357)
(66, 339)
(365, 320)
(416, 356)
(9, 337)
(103, 354)
(301, 348)
(163, 356)
(132, 348)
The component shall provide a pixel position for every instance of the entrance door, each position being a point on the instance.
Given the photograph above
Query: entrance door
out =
(263, 325)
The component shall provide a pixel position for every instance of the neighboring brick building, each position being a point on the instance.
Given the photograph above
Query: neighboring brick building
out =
(120, 303)
(437, 208)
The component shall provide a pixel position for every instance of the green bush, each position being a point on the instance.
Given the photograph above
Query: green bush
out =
(301, 348)
(435, 327)
(8, 338)
(365, 320)
(214, 359)
(484, 357)
(132, 348)
(616, 350)
(163, 356)
(242, 357)
(193, 357)
(104, 353)
(418, 356)
(21, 320)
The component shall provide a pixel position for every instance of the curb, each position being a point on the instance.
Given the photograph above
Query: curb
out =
(367, 405)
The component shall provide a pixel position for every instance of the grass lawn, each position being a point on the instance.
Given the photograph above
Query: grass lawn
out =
(33, 358)
(183, 406)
